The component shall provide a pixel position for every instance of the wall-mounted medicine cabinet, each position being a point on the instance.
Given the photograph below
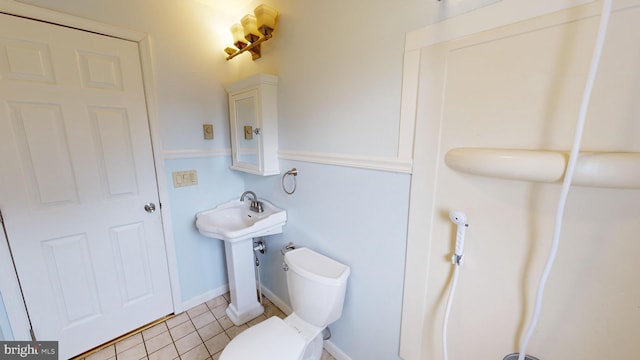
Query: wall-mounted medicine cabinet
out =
(253, 113)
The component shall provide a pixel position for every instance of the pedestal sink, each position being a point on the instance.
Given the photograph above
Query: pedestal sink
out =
(236, 224)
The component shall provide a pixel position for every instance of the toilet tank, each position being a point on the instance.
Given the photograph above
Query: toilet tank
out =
(317, 285)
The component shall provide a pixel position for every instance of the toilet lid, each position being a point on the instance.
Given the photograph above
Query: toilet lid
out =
(271, 339)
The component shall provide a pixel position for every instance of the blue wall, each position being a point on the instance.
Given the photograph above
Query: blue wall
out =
(357, 217)
(201, 260)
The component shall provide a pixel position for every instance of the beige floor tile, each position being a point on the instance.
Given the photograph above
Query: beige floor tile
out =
(178, 339)
(104, 354)
(158, 342)
(177, 320)
(265, 300)
(197, 310)
(203, 319)
(326, 355)
(217, 343)
(197, 353)
(227, 297)
(154, 331)
(257, 320)
(182, 330)
(210, 330)
(235, 330)
(217, 301)
(135, 352)
(188, 342)
(270, 309)
(225, 322)
(168, 352)
(219, 311)
(128, 343)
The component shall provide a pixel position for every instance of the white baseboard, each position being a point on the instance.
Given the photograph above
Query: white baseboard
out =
(331, 348)
(276, 301)
(202, 298)
(335, 351)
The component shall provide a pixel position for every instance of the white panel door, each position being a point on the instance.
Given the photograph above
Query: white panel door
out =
(76, 171)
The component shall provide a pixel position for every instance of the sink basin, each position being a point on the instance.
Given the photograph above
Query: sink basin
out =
(234, 221)
(236, 224)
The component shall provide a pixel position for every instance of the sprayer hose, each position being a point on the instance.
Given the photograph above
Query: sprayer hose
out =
(566, 184)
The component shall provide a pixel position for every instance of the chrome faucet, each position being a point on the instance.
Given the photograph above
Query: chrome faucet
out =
(244, 194)
(255, 206)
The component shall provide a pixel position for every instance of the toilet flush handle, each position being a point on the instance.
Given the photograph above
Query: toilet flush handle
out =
(285, 249)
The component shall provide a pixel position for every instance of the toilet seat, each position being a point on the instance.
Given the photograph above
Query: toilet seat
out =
(271, 339)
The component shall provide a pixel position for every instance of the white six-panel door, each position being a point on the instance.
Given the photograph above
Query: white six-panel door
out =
(76, 171)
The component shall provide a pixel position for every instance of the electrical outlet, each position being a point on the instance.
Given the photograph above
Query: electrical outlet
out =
(207, 129)
(185, 178)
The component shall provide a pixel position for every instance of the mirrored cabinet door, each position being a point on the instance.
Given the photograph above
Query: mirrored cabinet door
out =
(254, 124)
(247, 132)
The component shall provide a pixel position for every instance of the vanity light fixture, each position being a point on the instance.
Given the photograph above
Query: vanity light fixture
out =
(252, 31)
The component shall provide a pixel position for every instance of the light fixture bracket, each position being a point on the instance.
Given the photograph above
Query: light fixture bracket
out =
(253, 49)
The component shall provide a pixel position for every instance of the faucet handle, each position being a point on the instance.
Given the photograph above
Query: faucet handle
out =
(257, 206)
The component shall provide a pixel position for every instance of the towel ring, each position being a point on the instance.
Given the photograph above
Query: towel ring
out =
(293, 172)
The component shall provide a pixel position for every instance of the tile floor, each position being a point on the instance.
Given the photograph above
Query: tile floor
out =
(200, 333)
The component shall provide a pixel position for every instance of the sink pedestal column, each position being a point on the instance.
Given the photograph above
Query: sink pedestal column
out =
(242, 281)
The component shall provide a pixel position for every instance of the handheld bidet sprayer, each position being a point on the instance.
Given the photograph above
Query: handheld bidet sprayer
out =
(460, 219)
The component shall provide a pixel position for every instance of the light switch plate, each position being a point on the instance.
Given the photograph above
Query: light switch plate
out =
(207, 129)
(248, 132)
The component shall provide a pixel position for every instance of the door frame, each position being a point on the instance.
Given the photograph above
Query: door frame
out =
(9, 287)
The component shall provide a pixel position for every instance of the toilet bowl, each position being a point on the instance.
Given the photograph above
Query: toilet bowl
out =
(317, 286)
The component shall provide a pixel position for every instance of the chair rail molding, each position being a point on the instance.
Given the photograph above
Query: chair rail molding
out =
(390, 164)
(195, 153)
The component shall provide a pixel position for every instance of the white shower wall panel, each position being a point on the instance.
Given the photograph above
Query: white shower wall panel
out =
(520, 87)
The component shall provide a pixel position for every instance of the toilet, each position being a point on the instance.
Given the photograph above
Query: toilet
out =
(316, 285)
